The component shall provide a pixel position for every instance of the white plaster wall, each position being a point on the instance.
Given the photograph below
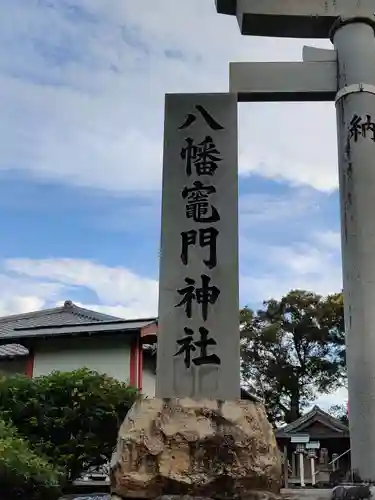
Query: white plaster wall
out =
(149, 379)
(103, 355)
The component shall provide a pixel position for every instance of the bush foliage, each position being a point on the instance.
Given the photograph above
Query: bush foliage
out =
(70, 417)
(23, 473)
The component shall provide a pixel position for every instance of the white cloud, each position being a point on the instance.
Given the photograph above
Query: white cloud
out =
(295, 142)
(330, 239)
(120, 311)
(339, 397)
(311, 265)
(22, 294)
(20, 304)
(82, 88)
(77, 143)
(117, 289)
(263, 208)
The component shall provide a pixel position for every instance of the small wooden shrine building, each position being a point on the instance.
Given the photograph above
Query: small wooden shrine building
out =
(315, 449)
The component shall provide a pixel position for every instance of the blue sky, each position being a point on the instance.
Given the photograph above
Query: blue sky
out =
(82, 86)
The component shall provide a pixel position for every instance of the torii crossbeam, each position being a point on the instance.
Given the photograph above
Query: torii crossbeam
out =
(292, 18)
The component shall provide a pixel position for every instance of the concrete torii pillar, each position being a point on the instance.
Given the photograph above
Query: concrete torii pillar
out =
(345, 75)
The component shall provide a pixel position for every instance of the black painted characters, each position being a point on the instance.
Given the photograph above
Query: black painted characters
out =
(198, 206)
(188, 346)
(205, 237)
(203, 295)
(211, 122)
(201, 158)
(362, 127)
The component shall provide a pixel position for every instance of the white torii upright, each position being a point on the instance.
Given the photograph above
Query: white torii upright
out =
(345, 75)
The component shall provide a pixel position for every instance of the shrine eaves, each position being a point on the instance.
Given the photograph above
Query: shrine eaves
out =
(292, 18)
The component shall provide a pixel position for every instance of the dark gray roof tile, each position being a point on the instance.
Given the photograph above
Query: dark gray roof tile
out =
(314, 414)
(69, 318)
(13, 350)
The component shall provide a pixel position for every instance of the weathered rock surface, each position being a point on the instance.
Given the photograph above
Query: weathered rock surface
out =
(198, 448)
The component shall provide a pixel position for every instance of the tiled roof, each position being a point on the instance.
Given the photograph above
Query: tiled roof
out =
(315, 414)
(68, 319)
(69, 313)
(12, 351)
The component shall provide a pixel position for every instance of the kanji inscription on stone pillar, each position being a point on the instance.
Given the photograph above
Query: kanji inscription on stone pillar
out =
(198, 333)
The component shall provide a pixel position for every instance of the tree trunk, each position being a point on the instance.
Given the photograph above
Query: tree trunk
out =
(294, 411)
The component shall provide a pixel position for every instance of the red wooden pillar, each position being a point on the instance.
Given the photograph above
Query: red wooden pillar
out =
(136, 363)
(133, 376)
(140, 364)
(30, 364)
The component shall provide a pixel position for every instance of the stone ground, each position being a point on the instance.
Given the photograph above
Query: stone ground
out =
(309, 494)
(312, 494)
(306, 494)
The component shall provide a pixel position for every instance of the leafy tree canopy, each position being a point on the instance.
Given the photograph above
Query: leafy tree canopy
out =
(292, 349)
(339, 412)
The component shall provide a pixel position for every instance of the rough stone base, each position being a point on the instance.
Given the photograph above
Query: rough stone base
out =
(352, 492)
(196, 448)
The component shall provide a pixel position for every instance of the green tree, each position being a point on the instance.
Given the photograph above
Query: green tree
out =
(72, 418)
(23, 473)
(292, 349)
(339, 412)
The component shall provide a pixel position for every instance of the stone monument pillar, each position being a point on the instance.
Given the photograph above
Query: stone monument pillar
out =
(198, 339)
(196, 437)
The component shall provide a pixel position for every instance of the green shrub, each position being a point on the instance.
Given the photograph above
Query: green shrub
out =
(70, 417)
(24, 474)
